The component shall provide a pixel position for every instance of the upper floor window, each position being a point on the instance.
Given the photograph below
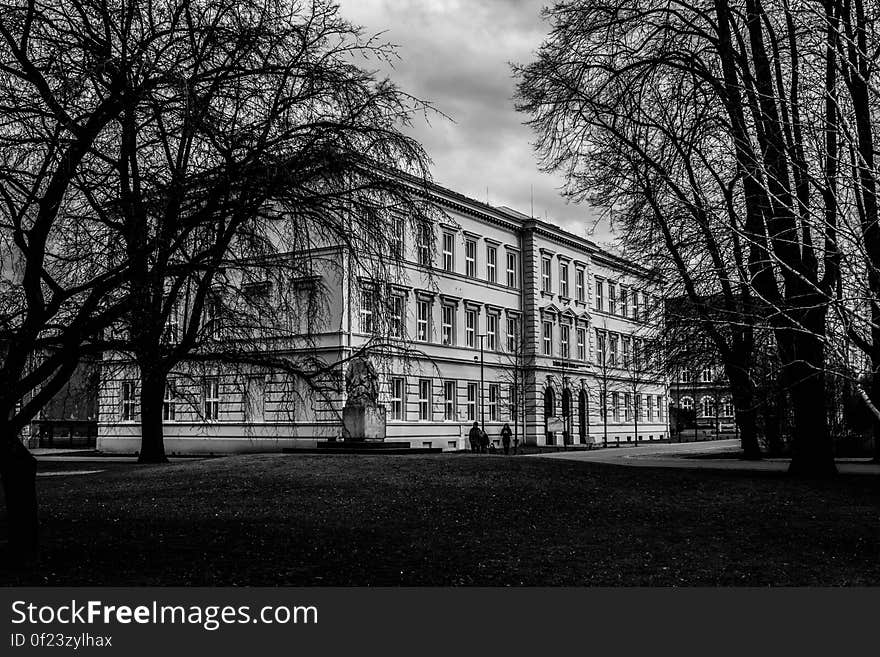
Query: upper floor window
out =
(396, 240)
(546, 275)
(491, 332)
(395, 313)
(448, 252)
(448, 323)
(470, 258)
(579, 284)
(423, 320)
(368, 301)
(635, 304)
(646, 306)
(470, 327)
(491, 263)
(600, 294)
(612, 297)
(625, 354)
(624, 302)
(601, 347)
(564, 334)
(512, 334)
(612, 349)
(706, 376)
(548, 338)
(512, 279)
(563, 279)
(582, 344)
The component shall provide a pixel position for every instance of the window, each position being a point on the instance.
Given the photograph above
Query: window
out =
(582, 344)
(368, 299)
(624, 302)
(423, 249)
(170, 334)
(423, 321)
(491, 263)
(255, 399)
(635, 302)
(601, 347)
(213, 318)
(448, 324)
(660, 407)
(564, 334)
(612, 297)
(511, 402)
(563, 279)
(470, 327)
(449, 392)
(579, 284)
(493, 402)
(707, 407)
(548, 338)
(396, 316)
(546, 276)
(728, 407)
(470, 258)
(512, 333)
(491, 332)
(625, 347)
(600, 294)
(424, 399)
(645, 306)
(398, 392)
(448, 252)
(627, 407)
(396, 241)
(169, 410)
(512, 280)
(687, 403)
(638, 407)
(127, 401)
(685, 376)
(612, 349)
(615, 406)
(471, 402)
(650, 400)
(706, 375)
(211, 393)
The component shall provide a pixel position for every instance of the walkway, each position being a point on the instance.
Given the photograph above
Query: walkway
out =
(681, 455)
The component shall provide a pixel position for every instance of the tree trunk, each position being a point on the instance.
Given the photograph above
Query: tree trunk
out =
(742, 393)
(152, 396)
(18, 469)
(813, 448)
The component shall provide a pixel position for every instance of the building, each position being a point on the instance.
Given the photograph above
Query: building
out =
(507, 319)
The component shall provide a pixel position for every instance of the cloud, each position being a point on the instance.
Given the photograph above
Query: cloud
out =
(457, 55)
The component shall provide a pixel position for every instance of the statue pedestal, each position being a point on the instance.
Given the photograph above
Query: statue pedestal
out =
(363, 423)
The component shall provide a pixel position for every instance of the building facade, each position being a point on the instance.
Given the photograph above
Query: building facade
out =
(507, 319)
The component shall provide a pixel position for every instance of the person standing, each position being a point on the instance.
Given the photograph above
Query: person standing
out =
(505, 438)
(475, 437)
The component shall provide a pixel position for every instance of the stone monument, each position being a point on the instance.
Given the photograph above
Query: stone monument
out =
(363, 418)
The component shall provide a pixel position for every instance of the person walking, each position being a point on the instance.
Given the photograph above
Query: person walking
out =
(505, 438)
(475, 437)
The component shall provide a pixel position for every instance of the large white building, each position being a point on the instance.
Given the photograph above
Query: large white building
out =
(563, 327)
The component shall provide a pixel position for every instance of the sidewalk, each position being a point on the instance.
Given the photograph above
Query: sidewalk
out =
(676, 455)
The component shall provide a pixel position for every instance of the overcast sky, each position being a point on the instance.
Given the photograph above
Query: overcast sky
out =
(456, 54)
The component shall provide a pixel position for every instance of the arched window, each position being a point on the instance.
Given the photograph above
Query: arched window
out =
(687, 403)
(707, 407)
(583, 416)
(728, 407)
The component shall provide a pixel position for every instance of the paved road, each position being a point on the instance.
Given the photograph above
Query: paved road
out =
(675, 455)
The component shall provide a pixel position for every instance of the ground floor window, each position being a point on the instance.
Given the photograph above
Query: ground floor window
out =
(127, 401)
(493, 402)
(169, 410)
(212, 398)
(471, 402)
(397, 397)
(449, 391)
(424, 399)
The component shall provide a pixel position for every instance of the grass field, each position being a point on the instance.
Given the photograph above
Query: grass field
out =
(450, 519)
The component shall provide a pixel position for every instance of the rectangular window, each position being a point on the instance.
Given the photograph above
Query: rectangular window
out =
(563, 279)
(449, 392)
(548, 338)
(396, 241)
(624, 302)
(650, 399)
(424, 399)
(600, 295)
(612, 297)
(612, 349)
(512, 279)
(171, 335)
(472, 402)
(255, 399)
(398, 396)
(660, 408)
(601, 347)
(211, 394)
(615, 406)
(491, 263)
(470, 258)
(579, 284)
(127, 401)
(423, 320)
(546, 276)
(564, 334)
(169, 409)
(626, 362)
(511, 402)
(493, 402)
(491, 332)
(638, 407)
(448, 252)
(627, 407)
(512, 334)
(368, 299)
(646, 307)
(213, 318)
(423, 248)
(396, 316)
(635, 303)
(448, 312)
(582, 344)
(470, 328)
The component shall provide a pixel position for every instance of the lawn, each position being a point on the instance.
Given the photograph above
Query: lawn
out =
(451, 519)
